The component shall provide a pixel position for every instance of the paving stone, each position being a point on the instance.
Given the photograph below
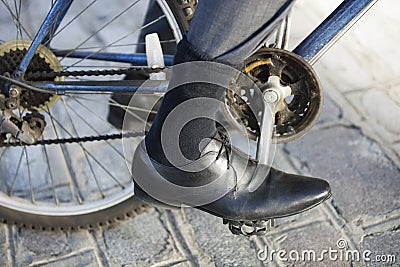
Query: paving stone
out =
(380, 110)
(182, 264)
(4, 246)
(312, 215)
(314, 237)
(141, 241)
(83, 259)
(37, 246)
(32, 245)
(281, 162)
(386, 246)
(78, 240)
(363, 180)
(43, 242)
(383, 109)
(218, 243)
(396, 148)
(280, 159)
(330, 111)
(23, 257)
(394, 93)
(330, 114)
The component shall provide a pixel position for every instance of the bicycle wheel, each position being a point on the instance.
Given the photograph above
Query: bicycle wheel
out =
(68, 180)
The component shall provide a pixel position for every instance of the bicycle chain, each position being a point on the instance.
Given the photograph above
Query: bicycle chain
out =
(105, 137)
(51, 75)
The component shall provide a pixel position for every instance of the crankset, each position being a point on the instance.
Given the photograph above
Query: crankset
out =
(289, 106)
(295, 113)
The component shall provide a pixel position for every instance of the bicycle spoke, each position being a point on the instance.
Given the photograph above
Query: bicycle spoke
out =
(51, 32)
(3, 177)
(133, 108)
(91, 112)
(83, 150)
(118, 45)
(2, 153)
(128, 109)
(133, 114)
(101, 28)
(29, 175)
(74, 187)
(116, 41)
(11, 190)
(57, 201)
(112, 102)
(71, 21)
(15, 19)
(93, 128)
(62, 175)
(90, 154)
(18, 13)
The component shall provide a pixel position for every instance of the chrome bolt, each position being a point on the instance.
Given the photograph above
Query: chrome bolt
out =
(270, 96)
(188, 11)
(14, 91)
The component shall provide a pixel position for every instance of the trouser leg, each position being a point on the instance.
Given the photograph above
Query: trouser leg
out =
(224, 31)
(229, 31)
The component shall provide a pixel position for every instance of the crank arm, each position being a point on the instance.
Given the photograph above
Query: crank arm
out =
(274, 94)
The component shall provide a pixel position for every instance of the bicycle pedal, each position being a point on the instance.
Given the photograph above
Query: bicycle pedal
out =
(250, 228)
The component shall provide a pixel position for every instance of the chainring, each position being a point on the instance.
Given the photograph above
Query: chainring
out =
(300, 110)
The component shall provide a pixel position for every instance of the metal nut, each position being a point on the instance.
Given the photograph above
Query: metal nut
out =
(270, 96)
(14, 91)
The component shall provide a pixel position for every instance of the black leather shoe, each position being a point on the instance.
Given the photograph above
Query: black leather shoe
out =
(226, 183)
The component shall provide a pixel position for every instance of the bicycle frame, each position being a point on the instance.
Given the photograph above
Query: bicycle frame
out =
(311, 49)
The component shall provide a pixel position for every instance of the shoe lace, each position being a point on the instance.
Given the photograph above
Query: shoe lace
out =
(226, 145)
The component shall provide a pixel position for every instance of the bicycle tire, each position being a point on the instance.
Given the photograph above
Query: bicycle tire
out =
(125, 208)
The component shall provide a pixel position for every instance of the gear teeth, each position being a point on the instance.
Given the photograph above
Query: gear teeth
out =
(250, 228)
(11, 54)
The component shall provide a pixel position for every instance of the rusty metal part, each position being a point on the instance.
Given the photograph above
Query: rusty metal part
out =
(97, 138)
(43, 67)
(25, 131)
(11, 54)
(8, 123)
(51, 75)
(296, 114)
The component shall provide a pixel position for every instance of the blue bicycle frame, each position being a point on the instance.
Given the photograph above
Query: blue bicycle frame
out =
(311, 49)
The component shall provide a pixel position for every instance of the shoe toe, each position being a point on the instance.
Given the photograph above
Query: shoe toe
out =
(302, 193)
(316, 190)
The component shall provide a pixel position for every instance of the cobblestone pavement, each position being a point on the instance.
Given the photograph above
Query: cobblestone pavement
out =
(355, 145)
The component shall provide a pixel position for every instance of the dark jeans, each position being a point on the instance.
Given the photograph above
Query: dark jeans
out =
(227, 31)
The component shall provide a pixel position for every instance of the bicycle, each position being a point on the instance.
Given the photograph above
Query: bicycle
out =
(53, 94)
